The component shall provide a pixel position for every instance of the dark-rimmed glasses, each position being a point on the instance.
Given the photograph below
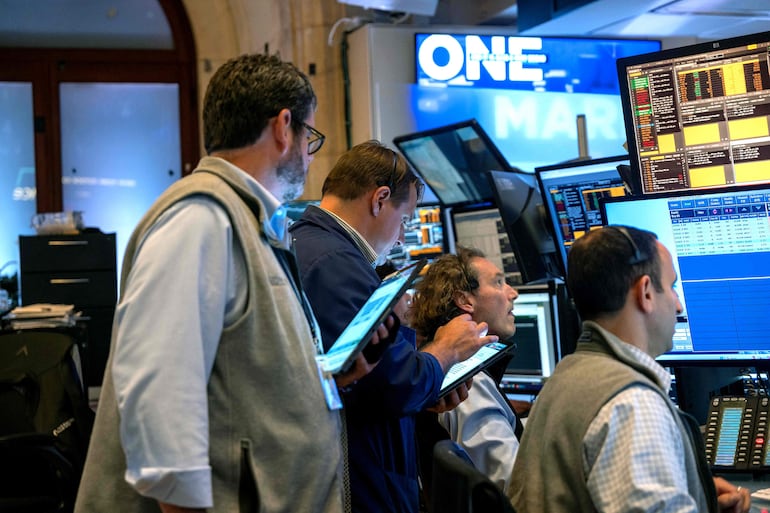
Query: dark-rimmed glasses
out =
(315, 139)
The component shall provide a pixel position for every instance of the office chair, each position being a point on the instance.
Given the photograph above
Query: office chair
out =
(459, 487)
(35, 475)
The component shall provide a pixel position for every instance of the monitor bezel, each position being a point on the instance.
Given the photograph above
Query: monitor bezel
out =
(482, 134)
(561, 254)
(695, 361)
(522, 248)
(669, 54)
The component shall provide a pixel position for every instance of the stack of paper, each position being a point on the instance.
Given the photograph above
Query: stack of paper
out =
(42, 315)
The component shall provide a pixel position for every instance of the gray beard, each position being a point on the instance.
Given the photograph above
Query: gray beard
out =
(291, 175)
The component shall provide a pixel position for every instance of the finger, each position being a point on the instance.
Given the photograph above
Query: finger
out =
(462, 393)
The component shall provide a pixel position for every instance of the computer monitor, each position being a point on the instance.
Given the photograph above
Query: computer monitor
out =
(482, 228)
(571, 193)
(452, 160)
(697, 116)
(537, 341)
(518, 198)
(720, 244)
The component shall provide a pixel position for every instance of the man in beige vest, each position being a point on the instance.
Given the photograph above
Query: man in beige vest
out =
(212, 399)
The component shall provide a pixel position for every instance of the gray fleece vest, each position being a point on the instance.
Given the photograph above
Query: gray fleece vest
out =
(273, 444)
(548, 475)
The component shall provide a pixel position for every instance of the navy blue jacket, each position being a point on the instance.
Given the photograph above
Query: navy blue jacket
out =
(380, 408)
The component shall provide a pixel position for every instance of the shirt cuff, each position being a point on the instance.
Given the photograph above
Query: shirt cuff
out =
(189, 488)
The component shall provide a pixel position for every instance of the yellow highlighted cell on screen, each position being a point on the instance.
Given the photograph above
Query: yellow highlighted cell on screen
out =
(701, 134)
(752, 171)
(666, 143)
(748, 128)
(707, 176)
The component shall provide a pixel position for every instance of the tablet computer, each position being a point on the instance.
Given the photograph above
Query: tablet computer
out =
(484, 357)
(359, 331)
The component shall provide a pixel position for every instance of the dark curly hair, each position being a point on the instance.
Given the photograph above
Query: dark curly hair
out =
(245, 92)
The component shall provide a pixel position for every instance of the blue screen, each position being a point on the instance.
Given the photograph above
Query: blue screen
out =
(527, 99)
(720, 244)
(543, 64)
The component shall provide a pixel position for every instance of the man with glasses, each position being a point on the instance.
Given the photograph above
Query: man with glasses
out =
(368, 197)
(603, 434)
(212, 399)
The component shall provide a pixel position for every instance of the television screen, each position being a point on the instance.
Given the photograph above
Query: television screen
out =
(697, 116)
(525, 91)
(720, 243)
(571, 194)
(452, 160)
(518, 198)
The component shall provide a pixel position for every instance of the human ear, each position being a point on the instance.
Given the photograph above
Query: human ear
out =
(463, 301)
(379, 196)
(281, 130)
(644, 293)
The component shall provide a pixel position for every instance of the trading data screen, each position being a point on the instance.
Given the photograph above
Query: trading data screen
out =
(699, 116)
(720, 244)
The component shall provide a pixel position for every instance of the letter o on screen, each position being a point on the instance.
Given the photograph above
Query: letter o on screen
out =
(429, 66)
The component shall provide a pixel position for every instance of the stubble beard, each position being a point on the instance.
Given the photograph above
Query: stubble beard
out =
(291, 173)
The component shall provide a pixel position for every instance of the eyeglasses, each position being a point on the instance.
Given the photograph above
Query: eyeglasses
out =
(639, 256)
(315, 139)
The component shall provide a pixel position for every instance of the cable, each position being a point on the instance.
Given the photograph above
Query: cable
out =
(353, 23)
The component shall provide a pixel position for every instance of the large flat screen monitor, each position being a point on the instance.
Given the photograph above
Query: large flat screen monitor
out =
(518, 197)
(571, 194)
(720, 244)
(525, 91)
(698, 116)
(452, 160)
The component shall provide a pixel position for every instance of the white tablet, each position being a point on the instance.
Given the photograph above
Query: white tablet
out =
(461, 371)
(359, 331)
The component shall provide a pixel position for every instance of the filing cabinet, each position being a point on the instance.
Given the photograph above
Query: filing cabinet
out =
(80, 270)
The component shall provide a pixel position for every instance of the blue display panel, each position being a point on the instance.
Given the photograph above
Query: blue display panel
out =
(544, 64)
(720, 244)
(525, 92)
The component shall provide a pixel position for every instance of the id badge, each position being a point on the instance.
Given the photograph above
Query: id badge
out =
(328, 385)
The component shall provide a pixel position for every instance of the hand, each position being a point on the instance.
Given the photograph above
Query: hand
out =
(458, 340)
(361, 367)
(170, 508)
(452, 399)
(521, 408)
(732, 499)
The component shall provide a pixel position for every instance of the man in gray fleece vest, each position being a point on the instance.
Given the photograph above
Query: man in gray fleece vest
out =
(603, 434)
(212, 399)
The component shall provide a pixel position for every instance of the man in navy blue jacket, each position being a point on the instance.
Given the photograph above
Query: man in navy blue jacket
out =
(367, 197)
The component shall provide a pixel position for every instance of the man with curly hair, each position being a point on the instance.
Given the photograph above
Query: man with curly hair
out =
(485, 425)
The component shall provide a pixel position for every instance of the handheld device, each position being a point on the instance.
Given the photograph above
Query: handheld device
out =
(484, 357)
(355, 337)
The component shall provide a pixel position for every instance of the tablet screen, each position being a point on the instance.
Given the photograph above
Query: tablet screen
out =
(356, 335)
(483, 358)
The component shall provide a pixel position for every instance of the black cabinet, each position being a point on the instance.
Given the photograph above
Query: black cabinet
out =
(79, 270)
